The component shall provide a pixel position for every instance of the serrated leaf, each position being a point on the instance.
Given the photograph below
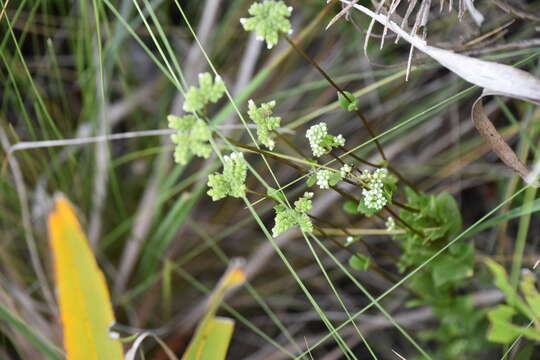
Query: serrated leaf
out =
(85, 305)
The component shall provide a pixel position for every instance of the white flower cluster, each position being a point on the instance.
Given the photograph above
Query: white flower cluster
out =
(390, 224)
(315, 135)
(374, 197)
(323, 177)
(320, 141)
(345, 170)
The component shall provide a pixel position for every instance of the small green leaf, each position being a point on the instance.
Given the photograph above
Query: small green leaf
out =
(347, 101)
(350, 207)
(359, 261)
(311, 180)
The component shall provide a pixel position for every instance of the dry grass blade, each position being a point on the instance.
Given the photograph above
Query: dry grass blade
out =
(495, 78)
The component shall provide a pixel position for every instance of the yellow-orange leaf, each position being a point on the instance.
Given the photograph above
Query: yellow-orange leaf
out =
(85, 305)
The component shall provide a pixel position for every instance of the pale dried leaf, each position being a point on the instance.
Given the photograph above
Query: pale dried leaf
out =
(494, 78)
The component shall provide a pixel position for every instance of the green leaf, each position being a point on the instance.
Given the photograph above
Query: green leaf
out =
(311, 180)
(502, 282)
(502, 330)
(350, 207)
(213, 341)
(359, 261)
(451, 269)
(532, 297)
(347, 102)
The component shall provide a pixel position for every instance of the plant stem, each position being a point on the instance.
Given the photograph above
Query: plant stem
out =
(327, 77)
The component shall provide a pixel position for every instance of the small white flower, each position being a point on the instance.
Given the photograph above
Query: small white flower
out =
(349, 240)
(323, 177)
(345, 170)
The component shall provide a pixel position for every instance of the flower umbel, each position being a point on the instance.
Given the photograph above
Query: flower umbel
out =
(374, 197)
(265, 122)
(191, 138)
(378, 192)
(269, 18)
(323, 178)
(232, 181)
(287, 218)
(320, 141)
(208, 91)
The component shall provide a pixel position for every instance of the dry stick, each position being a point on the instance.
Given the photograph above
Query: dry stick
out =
(325, 75)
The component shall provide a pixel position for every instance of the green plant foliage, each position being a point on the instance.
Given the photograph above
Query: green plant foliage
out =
(208, 91)
(347, 101)
(438, 213)
(286, 218)
(265, 122)
(460, 330)
(436, 219)
(505, 325)
(191, 138)
(269, 19)
(232, 181)
(359, 262)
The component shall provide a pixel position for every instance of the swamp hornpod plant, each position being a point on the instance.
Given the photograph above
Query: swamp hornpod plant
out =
(269, 19)
(265, 122)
